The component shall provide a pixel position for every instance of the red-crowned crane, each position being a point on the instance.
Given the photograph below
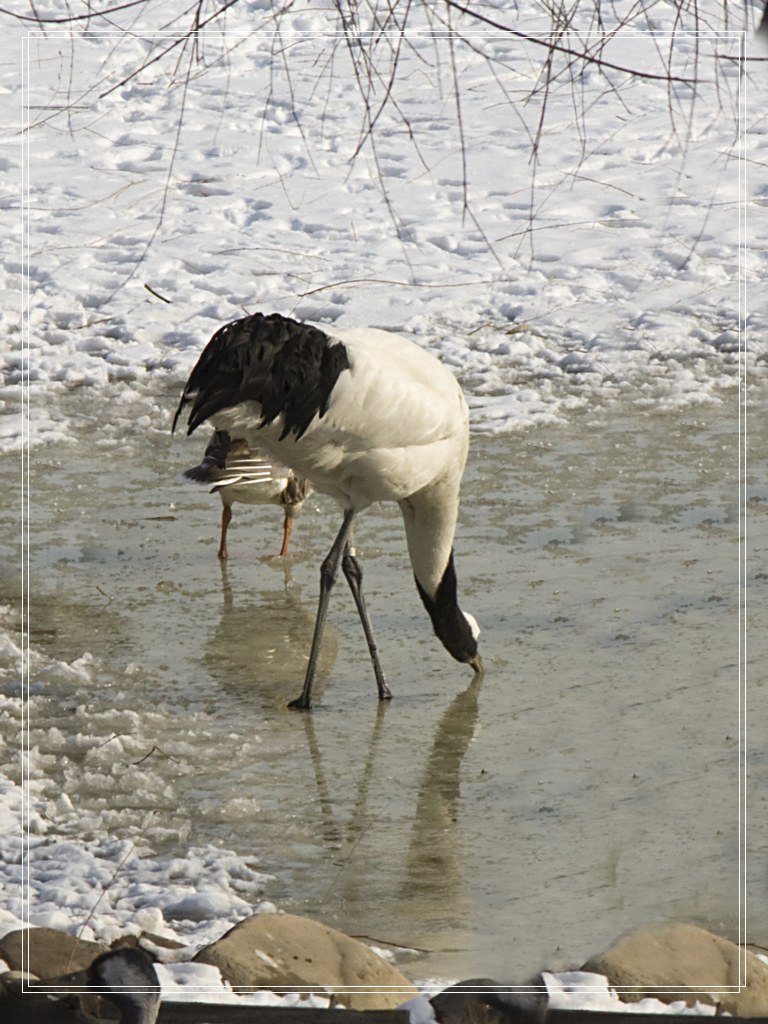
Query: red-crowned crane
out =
(240, 473)
(366, 416)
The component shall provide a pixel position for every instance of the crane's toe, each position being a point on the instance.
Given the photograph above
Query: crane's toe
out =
(300, 704)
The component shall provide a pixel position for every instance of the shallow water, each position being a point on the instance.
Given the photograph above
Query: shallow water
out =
(587, 784)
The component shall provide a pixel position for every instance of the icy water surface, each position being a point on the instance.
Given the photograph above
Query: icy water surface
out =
(589, 783)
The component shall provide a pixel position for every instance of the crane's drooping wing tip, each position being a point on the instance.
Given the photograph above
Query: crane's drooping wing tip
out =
(178, 412)
(191, 423)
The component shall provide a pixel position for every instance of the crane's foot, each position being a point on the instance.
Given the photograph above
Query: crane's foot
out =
(300, 704)
(384, 692)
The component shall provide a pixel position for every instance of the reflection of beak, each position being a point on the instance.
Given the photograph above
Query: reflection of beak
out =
(477, 665)
(287, 527)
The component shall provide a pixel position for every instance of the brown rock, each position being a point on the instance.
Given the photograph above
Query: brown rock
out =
(131, 941)
(50, 953)
(12, 982)
(690, 963)
(287, 951)
(484, 1001)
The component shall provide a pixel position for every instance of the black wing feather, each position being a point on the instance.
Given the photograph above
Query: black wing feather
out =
(289, 368)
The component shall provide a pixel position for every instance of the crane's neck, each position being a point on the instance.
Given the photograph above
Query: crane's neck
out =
(430, 523)
(448, 620)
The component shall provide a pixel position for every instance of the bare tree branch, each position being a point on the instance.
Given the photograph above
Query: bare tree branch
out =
(373, 36)
(73, 17)
(549, 44)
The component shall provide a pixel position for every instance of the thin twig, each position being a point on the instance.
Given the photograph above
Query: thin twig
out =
(155, 750)
(157, 295)
(550, 45)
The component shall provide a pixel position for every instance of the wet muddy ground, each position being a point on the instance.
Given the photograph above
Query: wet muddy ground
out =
(587, 784)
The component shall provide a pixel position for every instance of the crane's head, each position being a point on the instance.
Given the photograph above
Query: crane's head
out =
(477, 661)
(457, 630)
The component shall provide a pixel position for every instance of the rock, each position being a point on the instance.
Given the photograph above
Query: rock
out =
(129, 941)
(11, 982)
(493, 1004)
(288, 951)
(687, 961)
(20, 1007)
(50, 953)
(455, 1005)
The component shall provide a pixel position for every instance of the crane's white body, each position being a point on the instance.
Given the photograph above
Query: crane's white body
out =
(365, 416)
(396, 429)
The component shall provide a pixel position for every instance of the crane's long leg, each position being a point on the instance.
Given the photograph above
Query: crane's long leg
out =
(226, 516)
(354, 574)
(287, 527)
(329, 570)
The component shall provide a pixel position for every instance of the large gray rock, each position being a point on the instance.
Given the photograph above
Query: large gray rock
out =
(51, 952)
(288, 951)
(690, 963)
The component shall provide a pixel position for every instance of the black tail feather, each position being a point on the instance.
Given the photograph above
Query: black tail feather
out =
(287, 367)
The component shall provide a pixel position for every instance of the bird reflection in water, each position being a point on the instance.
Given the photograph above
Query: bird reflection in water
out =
(432, 871)
(434, 862)
(345, 840)
(253, 647)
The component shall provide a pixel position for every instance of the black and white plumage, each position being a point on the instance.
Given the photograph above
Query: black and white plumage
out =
(127, 979)
(240, 473)
(366, 416)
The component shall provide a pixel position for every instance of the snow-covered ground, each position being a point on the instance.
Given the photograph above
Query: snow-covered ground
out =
(612, 265)
(623, 264)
